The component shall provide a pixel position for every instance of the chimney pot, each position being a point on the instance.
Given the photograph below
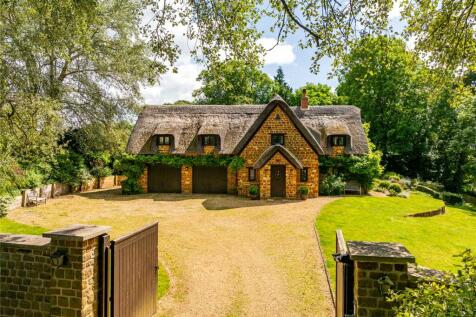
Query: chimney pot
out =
(304, 100)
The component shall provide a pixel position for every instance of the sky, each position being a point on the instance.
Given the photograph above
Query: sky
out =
(295, 62)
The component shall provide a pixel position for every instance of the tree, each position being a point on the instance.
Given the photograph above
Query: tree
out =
(234, 82)
(282, 87)
(86, 55)
(452, 149)
(444, 31)
(318, 94)
(390, 86)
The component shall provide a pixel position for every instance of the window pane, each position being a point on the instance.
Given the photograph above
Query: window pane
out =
(304, 174)
(251, 174)
(277, 139)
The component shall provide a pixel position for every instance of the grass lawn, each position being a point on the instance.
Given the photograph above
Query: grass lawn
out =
(431, 240)
(10, 226)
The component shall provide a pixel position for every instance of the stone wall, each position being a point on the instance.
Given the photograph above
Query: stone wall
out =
(231, 181)
(278, 122)
(186, 179)
(337, 150)
(34, 282)
(143, 180)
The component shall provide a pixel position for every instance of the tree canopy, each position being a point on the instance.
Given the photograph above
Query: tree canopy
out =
(234, 82)
(423, 129)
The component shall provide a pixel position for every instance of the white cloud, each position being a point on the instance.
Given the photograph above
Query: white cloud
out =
(281, 54)
(174, 86)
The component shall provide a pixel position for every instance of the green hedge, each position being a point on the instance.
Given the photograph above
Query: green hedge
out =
(133, 166)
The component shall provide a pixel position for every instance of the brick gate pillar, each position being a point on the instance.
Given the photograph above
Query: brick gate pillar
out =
(74, 288)
(378, 267)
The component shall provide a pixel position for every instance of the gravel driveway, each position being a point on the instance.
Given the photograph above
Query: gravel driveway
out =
(226, 256)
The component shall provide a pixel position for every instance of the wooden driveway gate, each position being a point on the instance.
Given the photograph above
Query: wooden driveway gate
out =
(132, 289)
(344, 278)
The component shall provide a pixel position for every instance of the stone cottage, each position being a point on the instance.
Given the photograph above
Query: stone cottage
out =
(279, 144)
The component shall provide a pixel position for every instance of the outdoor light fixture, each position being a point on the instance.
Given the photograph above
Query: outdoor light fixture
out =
(58, 258)
(384, 284)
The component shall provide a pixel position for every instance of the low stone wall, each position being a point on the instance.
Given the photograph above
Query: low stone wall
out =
(53, 275)
(436, 212)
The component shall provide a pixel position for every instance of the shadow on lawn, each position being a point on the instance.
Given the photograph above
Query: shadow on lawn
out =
(210, 201)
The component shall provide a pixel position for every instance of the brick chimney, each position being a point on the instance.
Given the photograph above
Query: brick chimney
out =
(304, 100)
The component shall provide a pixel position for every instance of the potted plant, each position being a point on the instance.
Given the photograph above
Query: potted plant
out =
(303, 192)
(254, 192)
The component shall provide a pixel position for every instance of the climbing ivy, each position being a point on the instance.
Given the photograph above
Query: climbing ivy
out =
(133, 166)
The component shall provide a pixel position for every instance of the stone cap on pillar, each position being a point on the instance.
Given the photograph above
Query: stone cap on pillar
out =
(23, 240)
(386, 252)
(78, 232)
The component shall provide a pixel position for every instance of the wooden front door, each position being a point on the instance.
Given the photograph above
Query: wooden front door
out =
(278, 181)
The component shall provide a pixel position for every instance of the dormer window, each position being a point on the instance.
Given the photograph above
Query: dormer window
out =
(210, 140)
(338, 140)
(164, 139)
(277, 138)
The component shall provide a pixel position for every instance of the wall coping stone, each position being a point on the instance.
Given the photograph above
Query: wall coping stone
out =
(386, 252)
(78, 232)
(417, 272)
(23, 240)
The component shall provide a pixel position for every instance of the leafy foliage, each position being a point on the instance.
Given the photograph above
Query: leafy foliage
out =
(69, 168)
(444, 32)
(282, 87)
(133, 166)
(394, 189)
(253, 190)
(234, 82)
(318, 94)
(362, 168)
(452, 199)
(453, 295)
(332, 185)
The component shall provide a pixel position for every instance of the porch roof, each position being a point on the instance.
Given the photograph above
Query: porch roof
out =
(271, 151)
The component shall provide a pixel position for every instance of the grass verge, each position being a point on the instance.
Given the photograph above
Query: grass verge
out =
(163, 283)
(433, 240)
(10, 226)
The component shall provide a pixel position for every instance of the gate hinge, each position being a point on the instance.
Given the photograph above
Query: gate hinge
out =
(342, 258)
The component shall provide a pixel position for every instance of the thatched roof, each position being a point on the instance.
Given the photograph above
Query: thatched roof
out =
(236, 123)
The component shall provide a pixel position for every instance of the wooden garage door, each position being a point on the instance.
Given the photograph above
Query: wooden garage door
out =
(209, 180)
(163, 179)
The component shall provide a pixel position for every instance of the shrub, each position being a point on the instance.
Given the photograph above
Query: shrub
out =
(253, 190)
(452, 295)
(69, 168)
(394, 189)
(332, 185)
(452, 199)
(304, 190)
(4, 200)
(391, 176)
(384, 184)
